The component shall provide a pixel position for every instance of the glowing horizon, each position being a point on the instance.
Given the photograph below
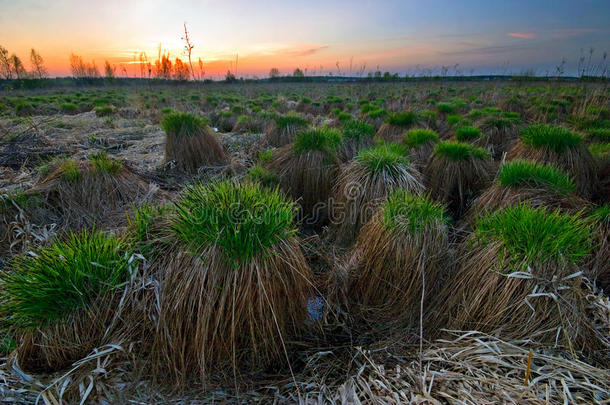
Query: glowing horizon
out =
(397, 36)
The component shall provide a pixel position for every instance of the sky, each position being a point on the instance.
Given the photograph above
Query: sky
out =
(250, 37)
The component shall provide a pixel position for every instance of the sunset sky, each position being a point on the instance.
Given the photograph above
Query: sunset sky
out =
(401, 36)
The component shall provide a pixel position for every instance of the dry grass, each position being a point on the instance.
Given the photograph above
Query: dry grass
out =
(215, 318)
(467, 367)
(545, 303)
(457, 182)
(577, 161)
(497, 197)
(199, 148)
(93, 197)
(394, 275)
(358, 193)
(307, 178)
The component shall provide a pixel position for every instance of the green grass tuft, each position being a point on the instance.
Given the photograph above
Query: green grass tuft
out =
(68, 107)
(103, 110)
(103, 164)
(460, 151)
(357, 130)
(344, 116)
(48, 286)
(182, 124)
(382, 158)
(523, 173)
(536, 235)
(446, 108)
(265, 156)
(319, 139)
(416, 137)
(601, 214)
(601, 135)
(467, 133)
(377, 113)
(290, 120)
(70, 171)
(558, 139)
(401, 119)
(245, 220)
(407, 213)
(600, 151)
(21, 199)
(263, 176)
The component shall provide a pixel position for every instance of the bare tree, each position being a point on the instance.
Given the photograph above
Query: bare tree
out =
(38, 69)
(188, 48)
(6, 69)
(274, 73)
(82, 69)
(201, 71)
(77, 66)
(109, 71)
(18, 67)
(143, 64)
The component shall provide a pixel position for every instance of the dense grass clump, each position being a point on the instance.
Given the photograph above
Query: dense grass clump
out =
(401, 119)
(467, 133)
(243, 219)
(384, 157)
(601, 135)
(601, 214)
(555, 138)
(445, 108)
(44, 288)
(290, 120)
(103, 110)
(321, 139)
(357, 130)
(536, 235)
(460, 151)
(523, 173)
(103, 164)
(68, 108)
(417, 137)
(70, 171)
(263, 176)
(600, 151)
(405, 212)
(181, 124)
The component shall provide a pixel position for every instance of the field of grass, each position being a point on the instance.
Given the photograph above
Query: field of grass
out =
(428, 242)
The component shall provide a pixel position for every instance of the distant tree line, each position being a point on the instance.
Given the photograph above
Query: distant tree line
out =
(11, 66)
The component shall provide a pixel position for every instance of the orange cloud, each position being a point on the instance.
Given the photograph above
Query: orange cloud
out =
(523, 35)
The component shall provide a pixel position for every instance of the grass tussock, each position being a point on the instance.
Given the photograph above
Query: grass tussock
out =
(537, 184)
(395, 125)
(400, 255)
(467, 133)
(420, 144)
(499, 132)
(323, 140)
(62, 300)
(526, 265)
(364, 183)
(191, 143)
(457, 172)
(307, 170)
(559, 147)
(284, 128)
(357, 135)
(93, 192)
(235, 286)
